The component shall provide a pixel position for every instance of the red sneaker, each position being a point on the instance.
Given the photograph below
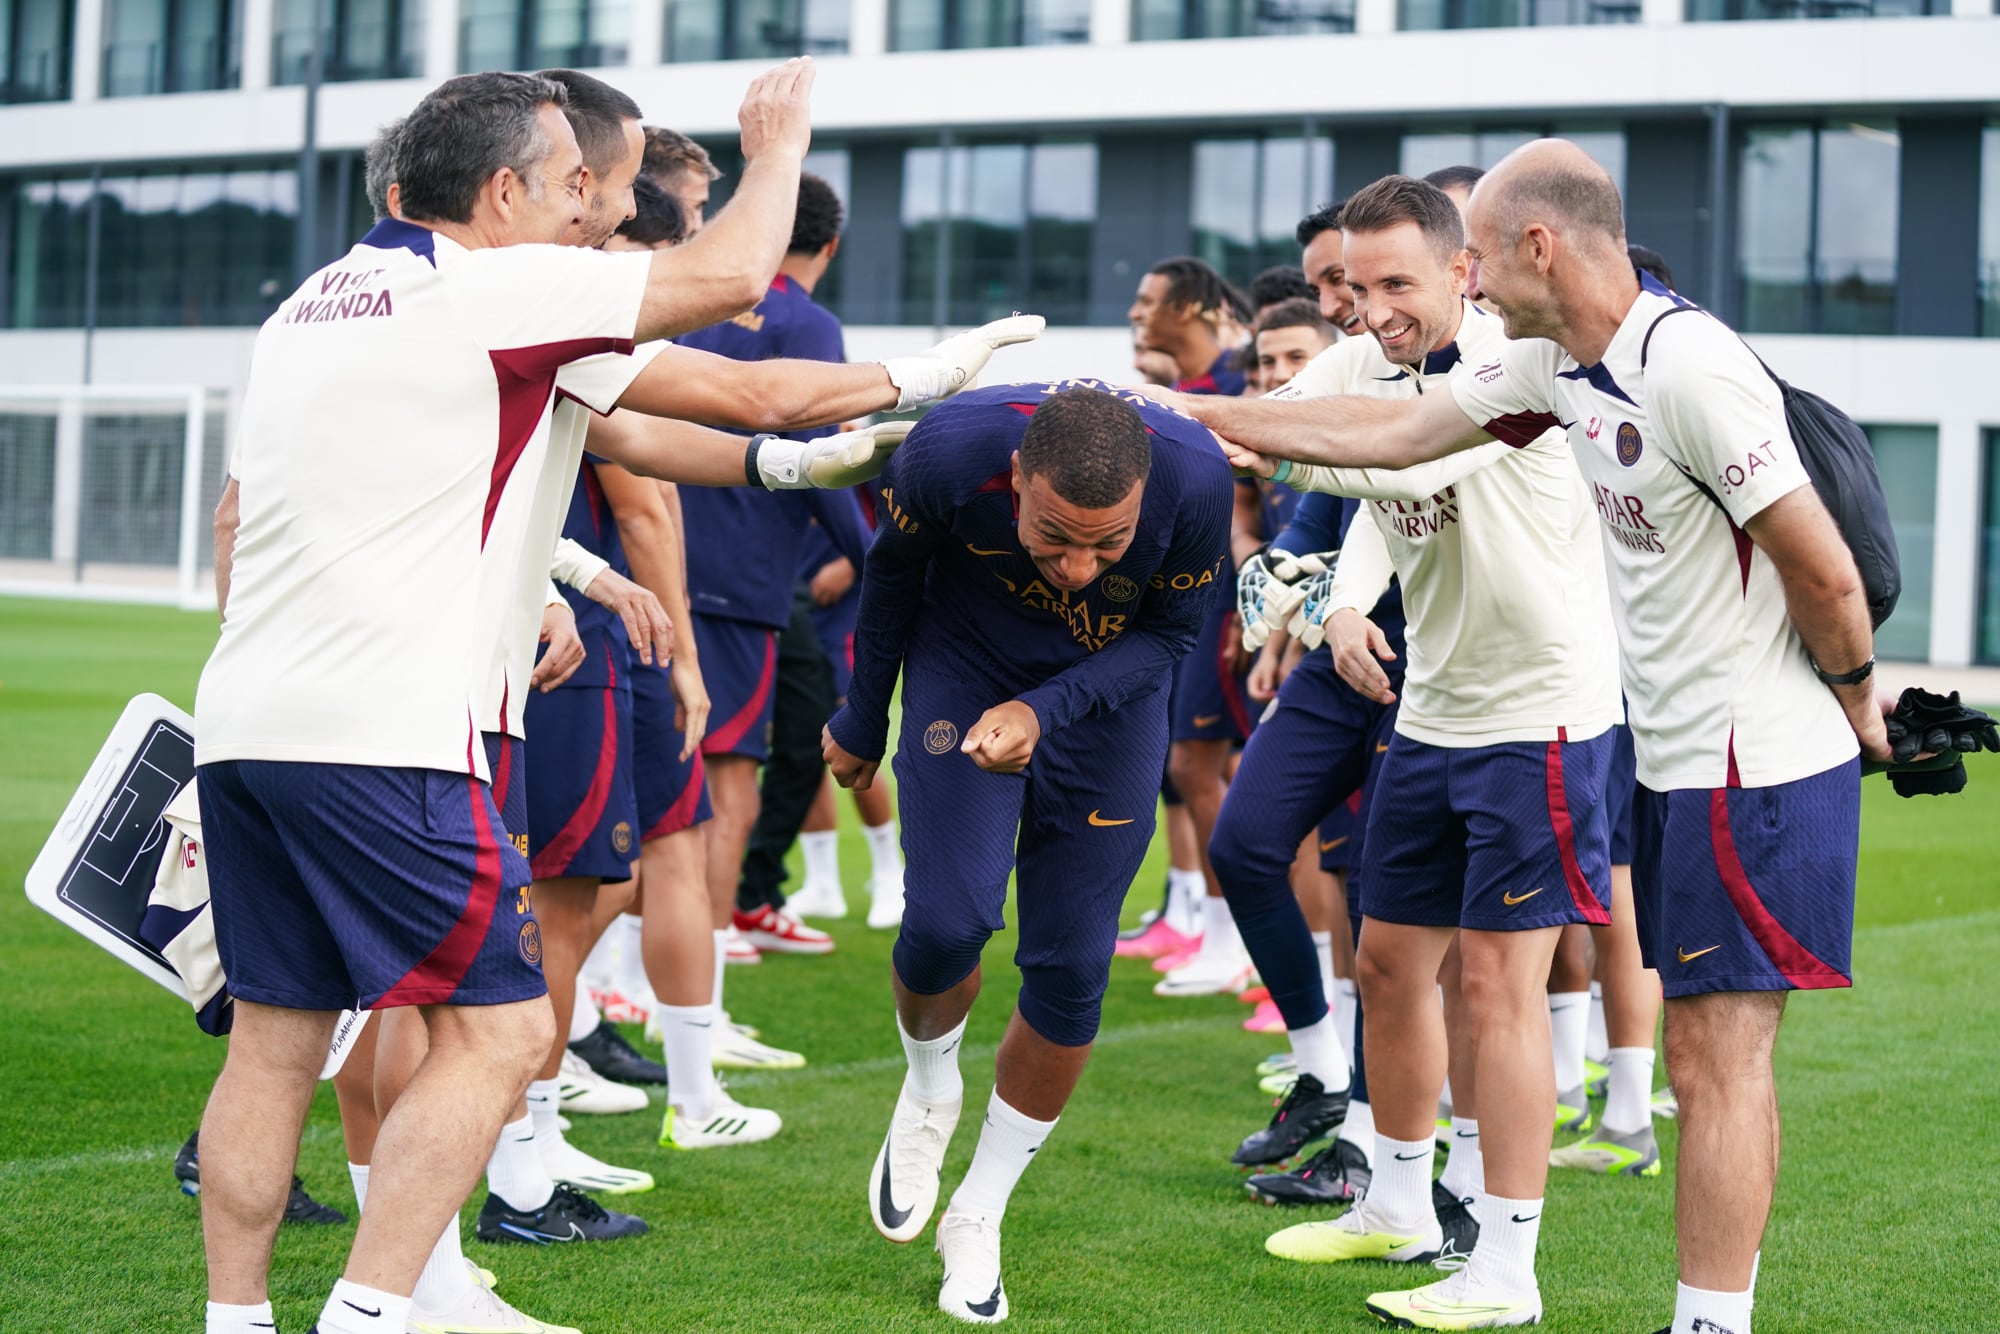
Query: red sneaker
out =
(781, 933)
(1255, 996)
(1155, 940)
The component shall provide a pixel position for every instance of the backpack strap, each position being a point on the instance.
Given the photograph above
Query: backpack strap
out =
(1646, 345)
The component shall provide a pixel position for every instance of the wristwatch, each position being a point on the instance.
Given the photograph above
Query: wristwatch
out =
(1853, 678)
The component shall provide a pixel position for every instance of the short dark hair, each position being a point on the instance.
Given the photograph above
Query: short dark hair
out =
(1279, 283)
(819, 216)
(1460, 177)
(464, 131)
(1645, 259)
(656, 216)
(1325, 218)
(378, 170)
(597, 113)
(1395, 200)
(1092, 446)
(1193, 282)
(669, 153)
(1296, 313)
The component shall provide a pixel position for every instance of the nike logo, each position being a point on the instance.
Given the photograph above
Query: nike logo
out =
(1511, 899)
(1207, 720)
(988, 1307)
(952, 1048)
(699, 1023)
(1565, 425)
(1391, 379)
(982, 551)
(1467, 1134)
(543, 1238)
(1097, 818)
(1690, 958)
(1410, 1157)
(1329, 844)
(1381, 748)
(1529, 1219)
(891, 1215)
(375, 1314)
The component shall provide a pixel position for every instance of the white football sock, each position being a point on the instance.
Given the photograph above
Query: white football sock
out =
(544, 1109)
(445, 1280)
(688, 1032)
(1464, 1172)
(1399, 1194)
(1345, 1001)
(353, 1309)
(1359, 1129)
(1698, 1311)
(599, 969)
(1569, 1023)
(885, 848)
(1628, 1098)
(583, 1016)
(1317, 1047)
(1597, 1046)
(630, 978)
(821, 852)
(1185, 892)
(1323, 942)
(933, 1074)
(240, 1319)
(1503, 1259)
(721, 962)
(1219, 939)
(358, 1174)
(515, 1171)
(1007, 1144)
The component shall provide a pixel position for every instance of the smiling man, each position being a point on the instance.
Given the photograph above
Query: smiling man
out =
(1045, 553)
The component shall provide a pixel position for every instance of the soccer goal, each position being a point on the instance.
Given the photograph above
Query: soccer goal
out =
(106, 491)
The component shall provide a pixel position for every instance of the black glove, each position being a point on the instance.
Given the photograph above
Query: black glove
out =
(1938, 725)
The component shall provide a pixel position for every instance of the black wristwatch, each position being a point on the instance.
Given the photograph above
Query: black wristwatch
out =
(1853, 678)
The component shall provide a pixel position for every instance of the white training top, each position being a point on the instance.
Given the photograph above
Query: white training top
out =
(1510, 635)
(390, 400)
(1719, 684)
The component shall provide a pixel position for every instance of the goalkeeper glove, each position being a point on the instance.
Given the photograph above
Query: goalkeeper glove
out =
(1289, 575)
(1253, 578)
(955, 363)
(828, 463)
(1308, 623)
(1947, 730)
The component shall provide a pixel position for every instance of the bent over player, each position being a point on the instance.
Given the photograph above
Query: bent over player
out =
(1045, 553)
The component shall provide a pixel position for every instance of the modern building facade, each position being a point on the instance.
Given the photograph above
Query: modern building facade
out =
(1824, 173)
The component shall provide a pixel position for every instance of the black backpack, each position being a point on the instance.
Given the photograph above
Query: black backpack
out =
(1841, 463)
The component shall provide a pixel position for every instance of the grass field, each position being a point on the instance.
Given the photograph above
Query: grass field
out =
(1132, 1220)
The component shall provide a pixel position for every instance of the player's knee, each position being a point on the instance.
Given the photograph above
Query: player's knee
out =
(511, 1040)
(1721, 1039)
(1192, 769)
(934, 953)
(1063, 1005)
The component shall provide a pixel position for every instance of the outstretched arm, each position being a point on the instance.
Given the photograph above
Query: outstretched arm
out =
(1345, 431)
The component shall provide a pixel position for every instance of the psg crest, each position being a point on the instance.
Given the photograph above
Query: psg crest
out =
(1629, 444)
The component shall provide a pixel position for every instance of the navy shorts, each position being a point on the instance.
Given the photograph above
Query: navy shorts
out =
(1209, 701)
(1507, 837)
(672, 793)
(1619, 786)
(339, 886)
(583, 816)
(1749, 888)
(739, 663)
(506, 760)
(1072, 828)
(835, 625)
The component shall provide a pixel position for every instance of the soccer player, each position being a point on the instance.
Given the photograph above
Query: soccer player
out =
(1178, 310)
(1043, 554)
(681, 167)
(1746, 826)
(1493, 830)
(1274, 286)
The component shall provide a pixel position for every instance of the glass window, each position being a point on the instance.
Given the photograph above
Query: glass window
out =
(1009, 226)
(1249, 195)
(161, 46)
(175, 248)
(832, 166)
(1907, 458)
(1989, 556)
(542, 34)
(1427, 14)
(363, 39)
(941, 25)
(1167, 20)
(35, 50)
(27, 485)
(755, 29)
(1705, 11)
(1989, 233)
(1425, 153)
(1816, 228)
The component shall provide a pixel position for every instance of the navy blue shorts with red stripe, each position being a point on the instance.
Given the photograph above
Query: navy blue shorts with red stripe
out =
(672, 793)
(583, 814)
(507, 761)
(1749, 888)
(338, 886)
(1209, 701)
(1507, 837)
(739, 663)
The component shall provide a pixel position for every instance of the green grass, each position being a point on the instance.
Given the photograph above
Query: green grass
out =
(1133, 1218)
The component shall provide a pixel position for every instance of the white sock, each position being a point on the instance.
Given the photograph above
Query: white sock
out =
(544, 1107)
(821, 852)
(1503, 1259)
(1464, 1172)
(240, 1319)
(1185, 891)
(1317, 1047)
(721, 960)
(445, 1280)
(1007, 1144)
(631, 979)
(1359, 1129)
(583, 1016)
(1218, 930)
(1345, 1002)
(1569, 1023)
(1597, 1046)
(885, 848)
(353, 1309)
(1628, 1098)
(515, 1172)
(688, 1032)
(358, 1174)
(1698, 1311)
(599, 969)
(1399, 1194)
(933, 1074)
(1323, 942)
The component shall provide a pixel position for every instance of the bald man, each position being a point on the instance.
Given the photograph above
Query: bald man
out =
(1746, 647)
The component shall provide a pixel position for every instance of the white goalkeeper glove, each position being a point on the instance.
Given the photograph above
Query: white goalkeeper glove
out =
(1253, 580)
(1287, 588)
(1308, 623)
(955, 363)
(828, 463)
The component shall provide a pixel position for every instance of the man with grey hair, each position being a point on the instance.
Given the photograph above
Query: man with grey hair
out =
(1745, 641)
(378, 168)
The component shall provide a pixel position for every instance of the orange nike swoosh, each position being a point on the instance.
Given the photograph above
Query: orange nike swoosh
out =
(1098, 819)
(1329, 844)
(1381, 748)
(1690, 958)
(981, 551)
(1208, 721)
(1510, 900)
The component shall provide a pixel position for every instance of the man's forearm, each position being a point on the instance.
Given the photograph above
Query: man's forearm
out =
(778, 395)
(671, 451)
(673, 573)
(1344, 431)
(228, 514)
(725, 270)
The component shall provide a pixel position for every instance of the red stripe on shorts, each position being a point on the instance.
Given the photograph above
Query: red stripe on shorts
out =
(1801, 967)
(1580, 894)
(721, 739)
(1232, 689)
(681, 814)
(434, 981)
(554, 859)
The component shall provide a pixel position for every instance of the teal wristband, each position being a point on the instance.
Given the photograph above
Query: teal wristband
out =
(1284, 472)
